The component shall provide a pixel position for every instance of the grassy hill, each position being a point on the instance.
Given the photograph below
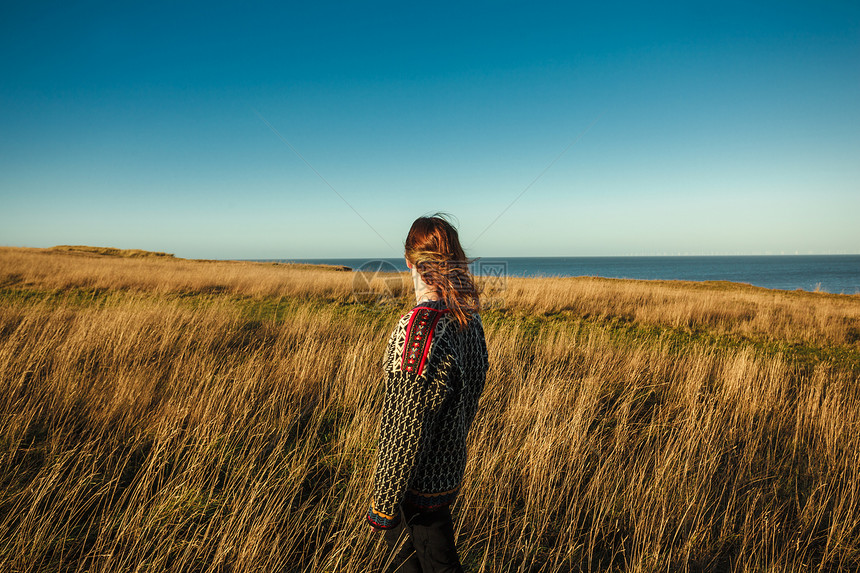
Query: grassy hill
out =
(108, 251)
(161, 414)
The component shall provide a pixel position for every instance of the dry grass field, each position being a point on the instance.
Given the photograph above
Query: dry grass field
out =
(160, 414)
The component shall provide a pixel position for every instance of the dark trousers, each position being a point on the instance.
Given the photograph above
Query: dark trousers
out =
(423, 542)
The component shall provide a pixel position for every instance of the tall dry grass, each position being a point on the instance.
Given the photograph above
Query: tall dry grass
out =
(54, 270)
(162, 415)
(718, 308)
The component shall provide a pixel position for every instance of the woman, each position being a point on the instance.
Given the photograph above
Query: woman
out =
(436, 364)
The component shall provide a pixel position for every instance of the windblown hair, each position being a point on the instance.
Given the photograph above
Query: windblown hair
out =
(433, 246)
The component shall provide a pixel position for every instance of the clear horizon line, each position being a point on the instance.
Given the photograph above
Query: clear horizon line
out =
(487, 257)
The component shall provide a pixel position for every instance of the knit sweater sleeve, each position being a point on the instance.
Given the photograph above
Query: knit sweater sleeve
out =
(418, 364)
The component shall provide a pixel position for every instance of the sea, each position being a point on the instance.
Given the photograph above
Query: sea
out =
(838, 274)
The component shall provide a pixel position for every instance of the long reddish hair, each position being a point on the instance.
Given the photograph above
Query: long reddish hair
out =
(433, 247)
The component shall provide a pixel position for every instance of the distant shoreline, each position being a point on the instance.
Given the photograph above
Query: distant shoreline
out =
(836, 274)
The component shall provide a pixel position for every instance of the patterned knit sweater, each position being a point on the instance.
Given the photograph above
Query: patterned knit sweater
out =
(435, 373)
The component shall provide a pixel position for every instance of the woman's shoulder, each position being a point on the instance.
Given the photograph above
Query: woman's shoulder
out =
(425, 308)
(421, 328)
(425, 317)
(441, 314)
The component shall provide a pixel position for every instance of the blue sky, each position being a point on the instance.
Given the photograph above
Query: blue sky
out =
(731, 128)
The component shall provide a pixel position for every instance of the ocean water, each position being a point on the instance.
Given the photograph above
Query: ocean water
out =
(838, 274)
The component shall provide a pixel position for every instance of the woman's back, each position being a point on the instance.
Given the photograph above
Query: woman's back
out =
(435, 365)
